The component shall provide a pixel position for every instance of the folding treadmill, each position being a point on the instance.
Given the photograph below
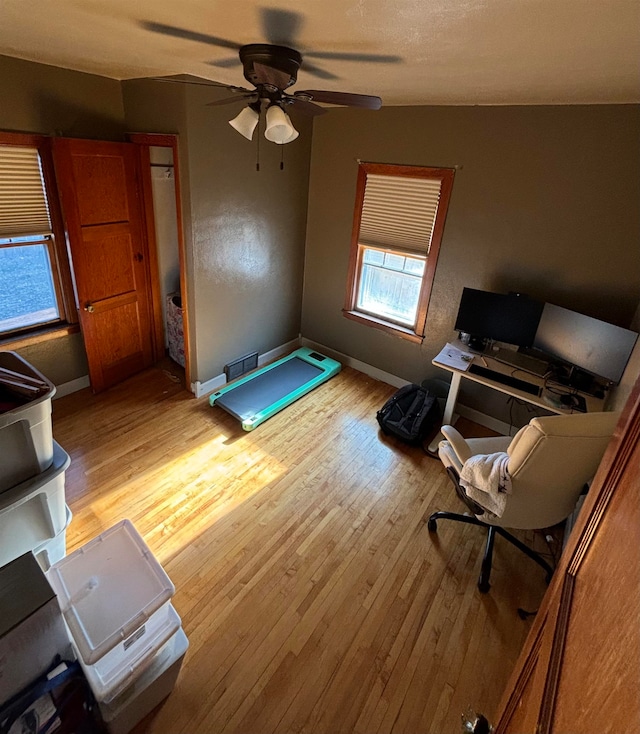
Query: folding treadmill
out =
(265, 392)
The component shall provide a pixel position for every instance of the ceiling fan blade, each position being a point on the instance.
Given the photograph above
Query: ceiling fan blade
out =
(307, 108)
(230, 100)
(317, 71)
(225, 63)
(343, 98)
(269, 75)
(181, 79)
(339, 56)
(280, 27)
(170, 30)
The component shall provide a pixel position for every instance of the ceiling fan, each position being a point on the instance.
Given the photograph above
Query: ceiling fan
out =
(272, 68)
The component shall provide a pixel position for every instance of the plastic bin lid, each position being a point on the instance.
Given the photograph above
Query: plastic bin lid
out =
(108, 588)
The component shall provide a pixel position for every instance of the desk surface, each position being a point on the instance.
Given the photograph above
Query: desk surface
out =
(593, 405)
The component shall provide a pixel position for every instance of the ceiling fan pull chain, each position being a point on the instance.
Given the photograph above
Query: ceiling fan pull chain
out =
(282, 157)
(258, 145)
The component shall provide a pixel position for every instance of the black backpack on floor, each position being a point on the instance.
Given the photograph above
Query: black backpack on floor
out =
(410, 414)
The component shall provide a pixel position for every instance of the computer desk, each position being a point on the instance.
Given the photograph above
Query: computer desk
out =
(544, 401)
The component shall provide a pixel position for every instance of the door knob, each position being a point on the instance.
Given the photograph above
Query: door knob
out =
(89, 308)
(473, 723)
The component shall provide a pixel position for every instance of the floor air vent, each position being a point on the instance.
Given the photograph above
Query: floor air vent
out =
(241, 366)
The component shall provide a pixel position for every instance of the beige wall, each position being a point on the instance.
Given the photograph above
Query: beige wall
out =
(620, 395)
(246, 239)
(545, 201)
(45, 99)
(245, 230)
(51, 101)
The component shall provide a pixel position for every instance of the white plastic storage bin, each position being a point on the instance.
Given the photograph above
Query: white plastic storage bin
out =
(120, 667)
(149, 689)
(114, 596)
(26, 440)
(34, 512)
(55, 549)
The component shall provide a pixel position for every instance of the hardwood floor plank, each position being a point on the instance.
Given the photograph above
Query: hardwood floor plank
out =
(313, 596)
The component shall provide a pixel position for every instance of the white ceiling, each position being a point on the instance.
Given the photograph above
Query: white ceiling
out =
(450, 51)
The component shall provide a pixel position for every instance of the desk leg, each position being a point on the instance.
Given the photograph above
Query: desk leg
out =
(447, 418)
(452, 397)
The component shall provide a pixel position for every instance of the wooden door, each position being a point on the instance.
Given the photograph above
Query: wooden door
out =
(579, 671)
(98, 185)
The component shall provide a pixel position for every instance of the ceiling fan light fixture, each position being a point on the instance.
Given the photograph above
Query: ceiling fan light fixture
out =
(245, 122)
(294, 132)
(279, 128)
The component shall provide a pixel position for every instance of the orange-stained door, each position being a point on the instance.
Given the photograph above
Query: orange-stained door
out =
(579, 672)
(98, 185)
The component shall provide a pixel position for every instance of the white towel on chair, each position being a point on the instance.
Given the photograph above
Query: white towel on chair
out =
(486, 480)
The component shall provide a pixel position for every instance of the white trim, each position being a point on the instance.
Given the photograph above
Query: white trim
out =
(278, 352)
(504, 429)
(205, 388)
(368, 369)
(72, 386)
(475, 415)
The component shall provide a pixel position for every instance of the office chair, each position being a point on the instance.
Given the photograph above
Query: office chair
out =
(550, 461)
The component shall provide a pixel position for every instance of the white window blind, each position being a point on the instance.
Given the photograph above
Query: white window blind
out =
(399, 212)
(24, 209)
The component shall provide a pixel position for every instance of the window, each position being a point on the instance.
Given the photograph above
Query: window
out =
(35, 284)
(398, 223)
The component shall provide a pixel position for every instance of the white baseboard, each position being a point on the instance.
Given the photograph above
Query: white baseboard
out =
(475, 415)
(204, 388)
(368, 369)
(72, 386)
(485, 420)
(278, 352)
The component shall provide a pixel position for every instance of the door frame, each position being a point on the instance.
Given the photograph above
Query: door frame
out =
(144, 141)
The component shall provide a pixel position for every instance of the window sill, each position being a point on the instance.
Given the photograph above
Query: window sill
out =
(38, 335)
(390, 328)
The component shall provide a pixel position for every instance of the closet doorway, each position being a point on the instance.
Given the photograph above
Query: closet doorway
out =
(160, 173)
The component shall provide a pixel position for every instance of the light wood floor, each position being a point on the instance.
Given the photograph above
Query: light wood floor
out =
(312, 594)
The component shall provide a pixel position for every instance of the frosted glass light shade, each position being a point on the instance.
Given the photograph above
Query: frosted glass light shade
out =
(245, 123)
(279, 128)
(294, 132)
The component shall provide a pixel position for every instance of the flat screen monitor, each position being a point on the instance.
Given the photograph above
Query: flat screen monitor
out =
(512, 318)
(592, 345)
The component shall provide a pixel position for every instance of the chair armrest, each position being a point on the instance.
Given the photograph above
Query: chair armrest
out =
(460, 447)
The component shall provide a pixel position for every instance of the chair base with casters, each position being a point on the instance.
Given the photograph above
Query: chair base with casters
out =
(485, 571)
(549, 462)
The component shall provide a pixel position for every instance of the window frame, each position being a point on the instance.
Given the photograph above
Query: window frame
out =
(56, 247)
(354, 274)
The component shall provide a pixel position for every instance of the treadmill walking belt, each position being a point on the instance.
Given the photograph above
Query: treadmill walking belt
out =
(258, 396)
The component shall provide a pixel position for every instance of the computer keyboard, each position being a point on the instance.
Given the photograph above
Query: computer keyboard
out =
(506, 379)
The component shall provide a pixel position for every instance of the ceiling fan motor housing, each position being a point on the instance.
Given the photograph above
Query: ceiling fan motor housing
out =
(285, 59)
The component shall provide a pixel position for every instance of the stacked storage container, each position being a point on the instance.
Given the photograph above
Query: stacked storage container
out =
(116, 600)
(33, 513)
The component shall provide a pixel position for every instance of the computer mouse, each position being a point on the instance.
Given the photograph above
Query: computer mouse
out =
(569, 400)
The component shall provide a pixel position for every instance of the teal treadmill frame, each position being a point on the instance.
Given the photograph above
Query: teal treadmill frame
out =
(329, 367)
